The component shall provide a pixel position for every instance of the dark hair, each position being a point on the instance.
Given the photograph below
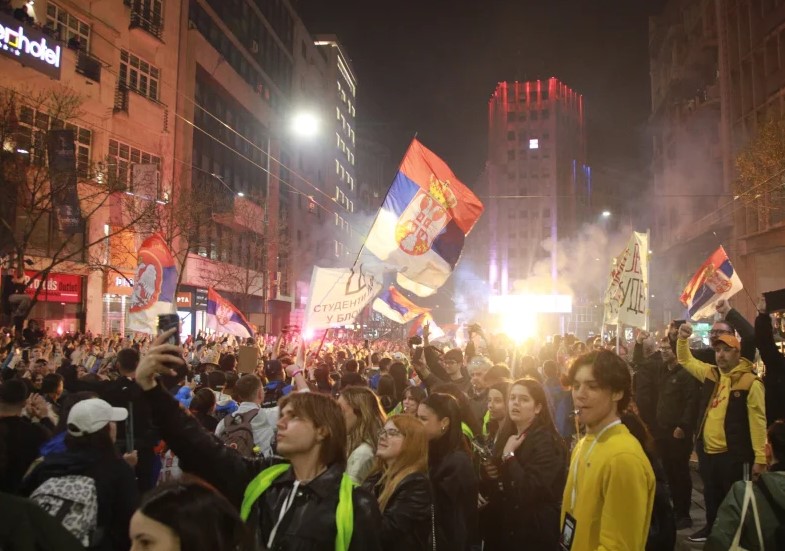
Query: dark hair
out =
(454, 355)
(322, 377)
(776, 436)
(445, 406)
(99, 441)
(247, 388)
(417, 393)
(384, 364)
(543, 419)
(323, 412)
(50, 382)
(69, 401)
(496, 373)
(550, 369)
(351, 366)
(216, 380)
(227, 362)
(352, 378)
(386, 387)
(198, 514)
(127, 360)
(375, 357)
(203, 401)
(464, 405)
(400, 375)
(610, 371)
(503, 387)
(640, 431)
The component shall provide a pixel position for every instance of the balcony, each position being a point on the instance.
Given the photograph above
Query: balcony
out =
(145, 19)
(88, 66)
(121, 99)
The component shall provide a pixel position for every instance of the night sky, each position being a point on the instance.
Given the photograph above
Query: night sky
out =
(430, 66)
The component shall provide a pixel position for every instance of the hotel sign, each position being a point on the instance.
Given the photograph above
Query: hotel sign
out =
(30, 47)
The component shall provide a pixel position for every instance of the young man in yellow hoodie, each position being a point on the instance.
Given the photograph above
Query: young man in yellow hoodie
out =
(609, 495)
(732, 432)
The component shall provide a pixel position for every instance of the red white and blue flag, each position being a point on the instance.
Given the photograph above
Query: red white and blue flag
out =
(392, 304)
(434, 331)
(224, 317)
(715, 280)
(423, 222)
(155, 286)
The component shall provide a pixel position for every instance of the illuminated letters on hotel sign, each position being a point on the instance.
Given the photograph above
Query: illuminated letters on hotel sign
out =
(30, 47)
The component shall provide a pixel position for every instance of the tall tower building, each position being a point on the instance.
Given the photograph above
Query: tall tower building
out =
(536, 177)
(342, 180)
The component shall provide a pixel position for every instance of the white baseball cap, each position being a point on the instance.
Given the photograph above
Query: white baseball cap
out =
(398, 356)
(90, 416)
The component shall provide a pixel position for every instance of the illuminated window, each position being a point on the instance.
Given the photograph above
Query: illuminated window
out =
(534, 143)
(31, 136)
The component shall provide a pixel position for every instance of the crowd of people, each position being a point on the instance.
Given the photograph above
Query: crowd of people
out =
(117, 443)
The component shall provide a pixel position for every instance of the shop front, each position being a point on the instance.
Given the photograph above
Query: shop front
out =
(59, 304)
(118, 287)
(192, 309)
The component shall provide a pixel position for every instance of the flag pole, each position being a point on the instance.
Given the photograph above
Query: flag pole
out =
(379, 210)
(618, 326)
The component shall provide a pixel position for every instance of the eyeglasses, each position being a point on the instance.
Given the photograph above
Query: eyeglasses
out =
(389, 433)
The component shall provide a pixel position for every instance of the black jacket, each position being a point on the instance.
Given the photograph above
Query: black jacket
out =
(115, 484)
(647, 373)
(20, 441)
(532, 483)
(774, 380)
(406, 521)
(310, 523)
(455, 502)
(24, 526)
(677, 405)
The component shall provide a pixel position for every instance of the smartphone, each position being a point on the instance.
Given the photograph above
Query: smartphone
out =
(167, 322)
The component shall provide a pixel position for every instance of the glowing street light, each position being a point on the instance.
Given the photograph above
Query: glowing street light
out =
(305, 125)
(606, 213)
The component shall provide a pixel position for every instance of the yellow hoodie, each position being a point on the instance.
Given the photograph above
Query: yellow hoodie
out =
(714, 425)
(614, 494)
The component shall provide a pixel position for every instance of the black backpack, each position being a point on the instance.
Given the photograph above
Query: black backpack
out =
(273, 392)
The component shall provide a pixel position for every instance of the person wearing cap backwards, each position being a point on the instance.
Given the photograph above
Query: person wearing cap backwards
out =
(91, 453)
(732, 433)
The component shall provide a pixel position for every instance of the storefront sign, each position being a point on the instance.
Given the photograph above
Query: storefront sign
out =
(184, 300)
(119, 284)
(200, 299)
(57, 287)
(29, 46)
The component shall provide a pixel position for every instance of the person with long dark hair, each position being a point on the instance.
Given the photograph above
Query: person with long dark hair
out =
(530, 467)
(452, 475)
(187, 514)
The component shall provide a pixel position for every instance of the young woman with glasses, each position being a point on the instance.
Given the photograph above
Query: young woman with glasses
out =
(401, 485)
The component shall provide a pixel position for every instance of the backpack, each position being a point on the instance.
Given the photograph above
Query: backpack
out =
(73, 501)
(273, 392)
(238, 433)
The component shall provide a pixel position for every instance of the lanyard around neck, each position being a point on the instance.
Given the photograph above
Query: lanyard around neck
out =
(574, 493)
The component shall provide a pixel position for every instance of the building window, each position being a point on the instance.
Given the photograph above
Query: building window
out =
(511, 135)
(511, 155)
(511, 116)
(122, 156)
(544, 94)
(31, 137)
(534, 115)
(533, 96)
(545, 114)
(69, 28)
(139, 76)
(148, 15)
(534, 143)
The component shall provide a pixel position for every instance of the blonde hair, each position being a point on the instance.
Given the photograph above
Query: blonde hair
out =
(370, 417)
(412, 459)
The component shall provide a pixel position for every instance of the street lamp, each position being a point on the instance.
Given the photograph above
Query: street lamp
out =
(305, 125)
(606, 213)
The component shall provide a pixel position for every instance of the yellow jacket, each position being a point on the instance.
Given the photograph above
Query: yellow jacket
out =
(614, 493)
(714, 440)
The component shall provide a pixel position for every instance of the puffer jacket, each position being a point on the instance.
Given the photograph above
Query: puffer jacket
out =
(728, 516)
(310, 523)
(406, 521)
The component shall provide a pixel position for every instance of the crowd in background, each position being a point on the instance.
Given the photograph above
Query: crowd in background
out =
(136, 443)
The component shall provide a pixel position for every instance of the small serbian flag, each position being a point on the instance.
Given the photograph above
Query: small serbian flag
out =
(224, 317)
(154, 286)
(434, 331)
(714, 281)
(392, 304)
(423, 222)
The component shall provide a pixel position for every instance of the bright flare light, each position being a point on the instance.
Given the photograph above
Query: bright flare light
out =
(308, 334)
(305, 125)
(520, 326)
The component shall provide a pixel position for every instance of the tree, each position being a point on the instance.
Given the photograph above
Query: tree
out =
(46, 206)
(760, 184)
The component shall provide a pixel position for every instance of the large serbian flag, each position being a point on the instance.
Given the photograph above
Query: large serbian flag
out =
(224, 317)
(713, 281)
(434, 331)
(155, 284)
(423, 222)
(392, 304)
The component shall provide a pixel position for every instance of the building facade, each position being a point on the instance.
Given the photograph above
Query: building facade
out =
(536, 179)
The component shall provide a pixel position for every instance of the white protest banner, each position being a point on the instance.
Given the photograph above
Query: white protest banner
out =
(338, 295)
(627, 297)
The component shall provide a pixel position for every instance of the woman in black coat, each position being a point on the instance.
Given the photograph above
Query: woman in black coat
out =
(452, 475)
(531, 470)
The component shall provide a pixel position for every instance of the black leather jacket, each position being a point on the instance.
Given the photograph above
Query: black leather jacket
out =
(310, 523)
(406, 521)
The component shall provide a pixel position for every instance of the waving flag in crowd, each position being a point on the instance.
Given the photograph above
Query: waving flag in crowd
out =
(715, 280)
(224, 317)
(392, 304)
(155, 284)
(434, 331)
(423, 223)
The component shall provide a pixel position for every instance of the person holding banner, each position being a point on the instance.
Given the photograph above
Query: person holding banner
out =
(732, 433)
